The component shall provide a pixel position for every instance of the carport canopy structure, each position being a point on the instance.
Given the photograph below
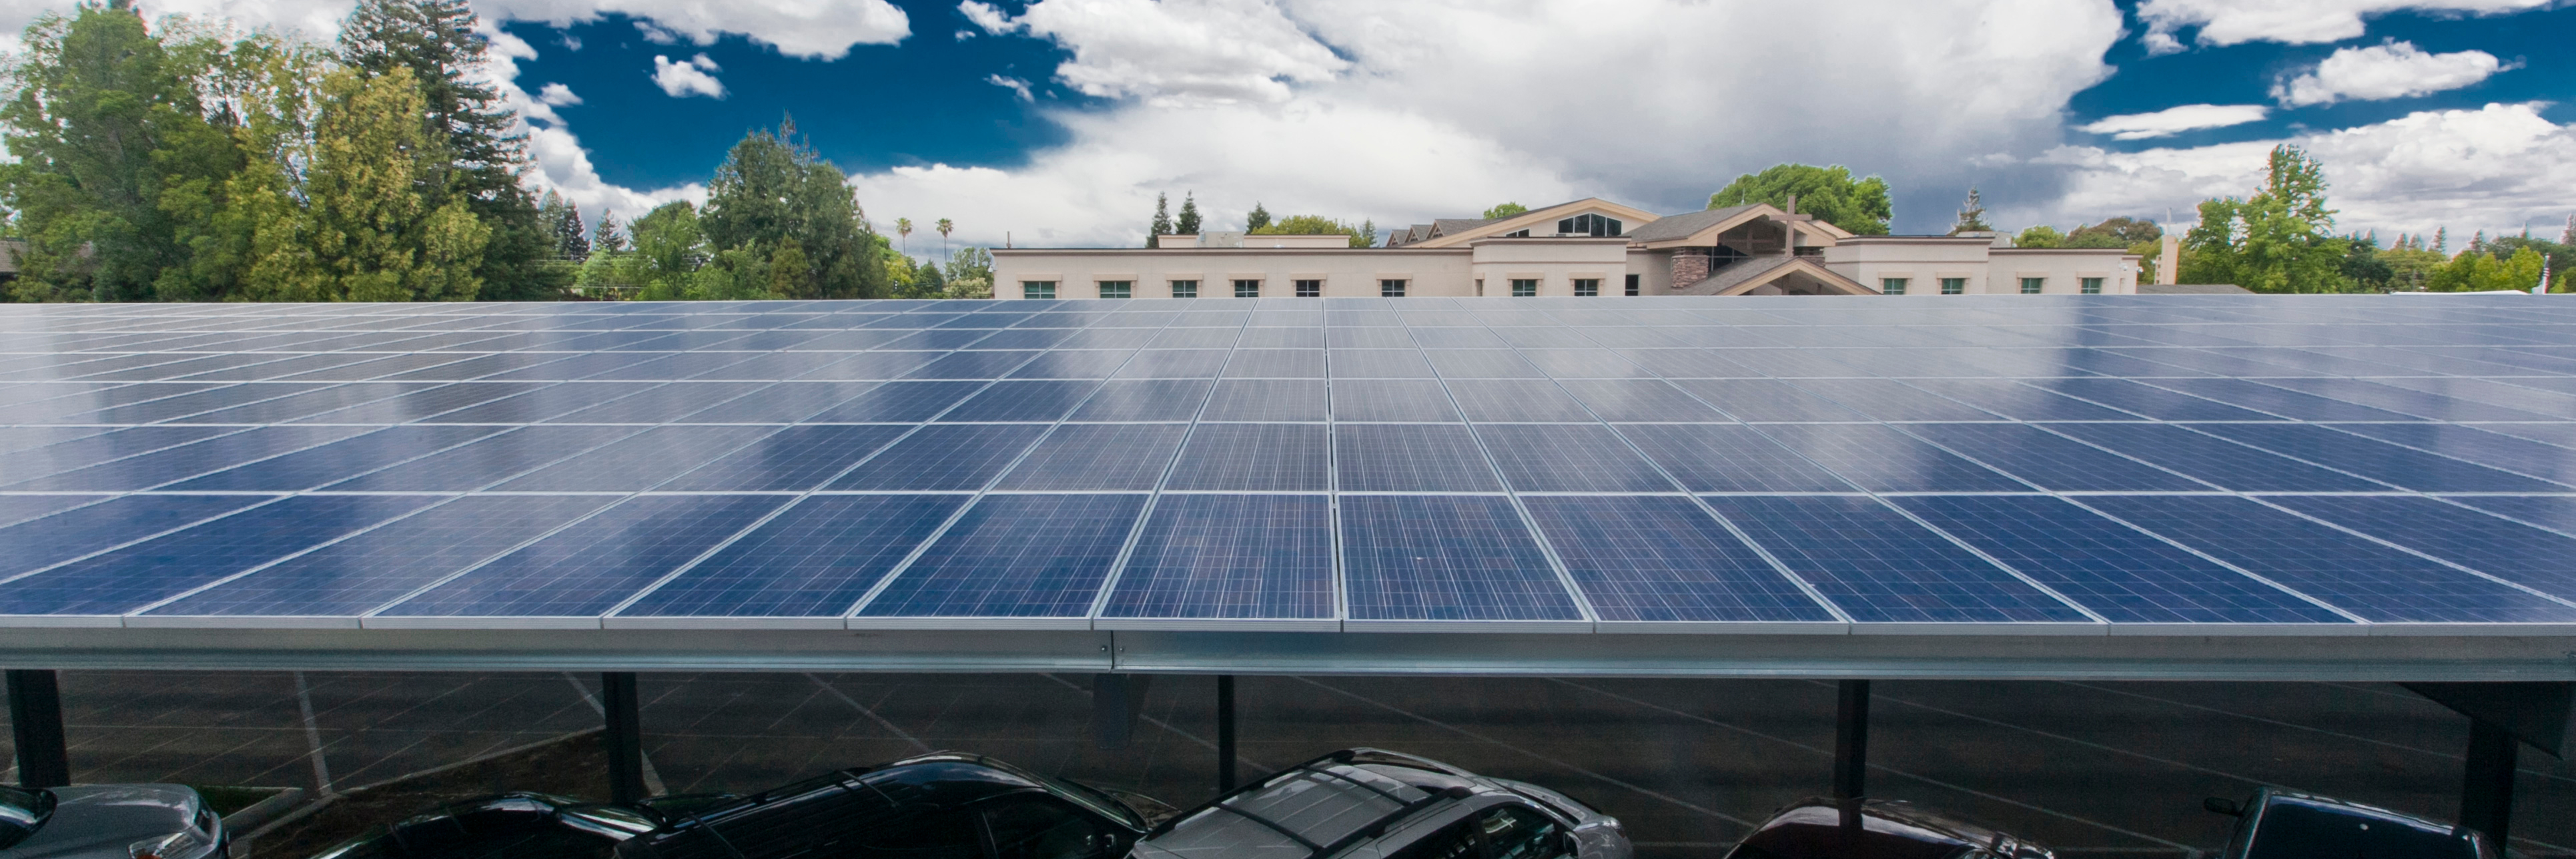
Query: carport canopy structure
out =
(2215, 487)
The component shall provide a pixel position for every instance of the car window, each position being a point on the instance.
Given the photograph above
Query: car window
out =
(2295, 829)
(1515, 832)
(21, 811)
(1454, 841)
(947, 834)
(1034, 828)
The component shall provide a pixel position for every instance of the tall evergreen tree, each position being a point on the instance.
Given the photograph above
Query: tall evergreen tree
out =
(1188, 222)
(776, 199)
(608, 237)
(1258, 218)
(1162, 225)
(471, 127)
(2442, 240)
(1972, 215)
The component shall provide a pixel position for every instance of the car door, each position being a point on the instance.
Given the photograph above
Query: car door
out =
(1037, 826)
(1519, 832)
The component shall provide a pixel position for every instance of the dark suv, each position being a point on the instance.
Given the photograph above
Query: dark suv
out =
(2280, 824)
(1889, 829)
(939, 806)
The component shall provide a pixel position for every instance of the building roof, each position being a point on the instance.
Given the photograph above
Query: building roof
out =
(1023, 486)
(1681, 226)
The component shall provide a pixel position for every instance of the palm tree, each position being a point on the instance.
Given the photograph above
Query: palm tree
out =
(903, 228)
(944, 227)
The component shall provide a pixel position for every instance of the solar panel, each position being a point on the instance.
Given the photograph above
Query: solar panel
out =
(1285, 465)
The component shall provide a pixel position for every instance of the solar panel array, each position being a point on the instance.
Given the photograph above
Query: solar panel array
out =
(2200, 465)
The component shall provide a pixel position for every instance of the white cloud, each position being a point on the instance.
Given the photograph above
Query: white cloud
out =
(2296, 22)
(2175, 120)
(993, 20)
(1013, 84)
(1407, 111)
(2491, 168)
(656, 33)
(558, 95)
(2392, 69)
(684, 79)
(824, 29)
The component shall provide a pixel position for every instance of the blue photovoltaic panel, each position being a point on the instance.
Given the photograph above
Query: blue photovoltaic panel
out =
(19, 508)
(1446, 558)
(1408, 400)
(659, 404)
(2378, 583)
(793, 459)
(1729, 458)
(1516, 400)
(897, 402)
(1881, 567)
(1881, 459)
(1479, 363)
(2377, 460)
(2477, 445)
(101, 444)
(1097, 457)
(1266, 400)
(2120, 573)
(942, 457)
(1144, 400)
(1662, 558)
(1015, 556)
(1280, 338)
(2053, 461)
(1230, 557)
(638, 462)
(419, 405)
(1254, 458)
(2558, 511)
(1584, 364)
(1406, 363)
(2514, 552)
(780, 403)
(1276, 364)
(1767, 400)
(1569, 458)
(1042, 402)
(178, 463)
(1073, 364)
(1411, 458)
(815, 560)
(1645, 400)
(1891, 400)
(488, 461)
(971, 365)
(353, 576)
(129, 578)
(2018, 401)
(1196, 338)
(542, 403)
(590, 567)
(2280, 401)
(1174, 364)
(2152, 402)
(339, 460)
(37, 543)
(2230, 466)
(2418, 403)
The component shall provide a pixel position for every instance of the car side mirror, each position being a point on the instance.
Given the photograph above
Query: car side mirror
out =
(2221, 805)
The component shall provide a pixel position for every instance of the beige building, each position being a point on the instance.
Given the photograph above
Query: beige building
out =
(1585, 248)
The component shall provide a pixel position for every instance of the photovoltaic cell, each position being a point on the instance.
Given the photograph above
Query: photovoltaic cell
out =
(1379, 364)
(588, 568)
(2280, 401)
(1516, 400)
(1446, 558)
(797, 458)
(1766, 400)
(1411, 458)
(353, 576)
(1266, 400)
(129, 578)
(2152, 402)
(815, 560)
(1230, 557)
(2053, 461)
(1881, 567)
(638, 462)
(312, 467)
(1891, 400)
(2122, 574)
(1097, 457)
(2230, 466)
(2378, 583)
(1253, 458)
(1022, 401)
(1645, 400)
(1276, 364)
(1881, 459)
(942, 457)
(1568, 458)
(1057, 549)
(488, 461)
(1174, 364)
(2548, 462)
(1729, 458)
(178, 463)
(897, 402)
(37, 543)
(1661, 558)
(2516, 553)
(2377, 460)
(2018, 401)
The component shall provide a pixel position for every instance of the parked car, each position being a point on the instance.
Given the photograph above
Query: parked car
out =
(1370, 803)
(938, 806)
(2280, 824)
(1889, 829)
(513, 825)
(108, 821)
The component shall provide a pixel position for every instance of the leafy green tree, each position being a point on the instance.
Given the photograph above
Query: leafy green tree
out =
(2041, 236)
(2278, 240)
(2410, 267)
(2122, 232)
(608, 237)
(1188, 222)
(2362, 268)
(773, 189)
(970, 273)
(1318, 225)
(562, 221)
(366, 231)
(469, 125)
(1860, 206)
(1256, 219)
(1972, 215)
(1505, 210)
(2474, 271)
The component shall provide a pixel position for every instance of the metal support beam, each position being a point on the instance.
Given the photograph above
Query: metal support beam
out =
(2486, 790)
(36, 720)
(1851, 751)
(1224, 733)
(625, 737)
(1116, 700)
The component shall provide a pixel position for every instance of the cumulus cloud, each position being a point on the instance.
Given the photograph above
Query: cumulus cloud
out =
(558, 95)
(2489, 168)
(2175, 120)
(1407, 111)
(2392, 69)
(684, 79)
(1013, 84)
(824, 29)
(2296, 22)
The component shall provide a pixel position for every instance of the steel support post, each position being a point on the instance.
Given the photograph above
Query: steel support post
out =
(1116, 701)
(1851, 750)
(1224, 733)
(625, 736)
(36, 721)
(2486, 792)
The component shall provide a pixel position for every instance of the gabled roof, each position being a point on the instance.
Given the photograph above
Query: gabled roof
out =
(1696, 229)
(1457, 232)
(1751, 274)
(1681, 226)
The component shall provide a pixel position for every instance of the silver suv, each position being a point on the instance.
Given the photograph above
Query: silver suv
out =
(1376, 804)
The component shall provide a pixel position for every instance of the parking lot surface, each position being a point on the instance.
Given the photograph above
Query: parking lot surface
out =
(2086, 768)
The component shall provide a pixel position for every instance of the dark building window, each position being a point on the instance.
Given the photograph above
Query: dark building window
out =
(1037, 289)
(1309, 288)
(1524, 287)
(1390, 288)
(1247, 289)
(1117, 289)
(1633, 287)
(1587, 286)
(1185, 289)
(1588, 224)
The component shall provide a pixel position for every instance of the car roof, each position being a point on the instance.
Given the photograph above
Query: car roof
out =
(1893, 830)
(1320, 807)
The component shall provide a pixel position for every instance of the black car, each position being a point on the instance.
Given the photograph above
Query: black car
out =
(2280, 824)
(938, 806)
(515, 825)
(1889, 829)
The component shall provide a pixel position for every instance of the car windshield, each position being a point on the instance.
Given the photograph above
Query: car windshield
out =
(1093, 798)
(2295, 828)
(21, 811)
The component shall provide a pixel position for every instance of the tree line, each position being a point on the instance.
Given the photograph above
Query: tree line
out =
(1257, 222)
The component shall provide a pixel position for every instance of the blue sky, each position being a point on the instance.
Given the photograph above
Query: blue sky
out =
(2427, 112)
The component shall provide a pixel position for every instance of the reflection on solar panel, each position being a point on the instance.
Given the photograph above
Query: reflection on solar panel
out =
(2176, 465)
